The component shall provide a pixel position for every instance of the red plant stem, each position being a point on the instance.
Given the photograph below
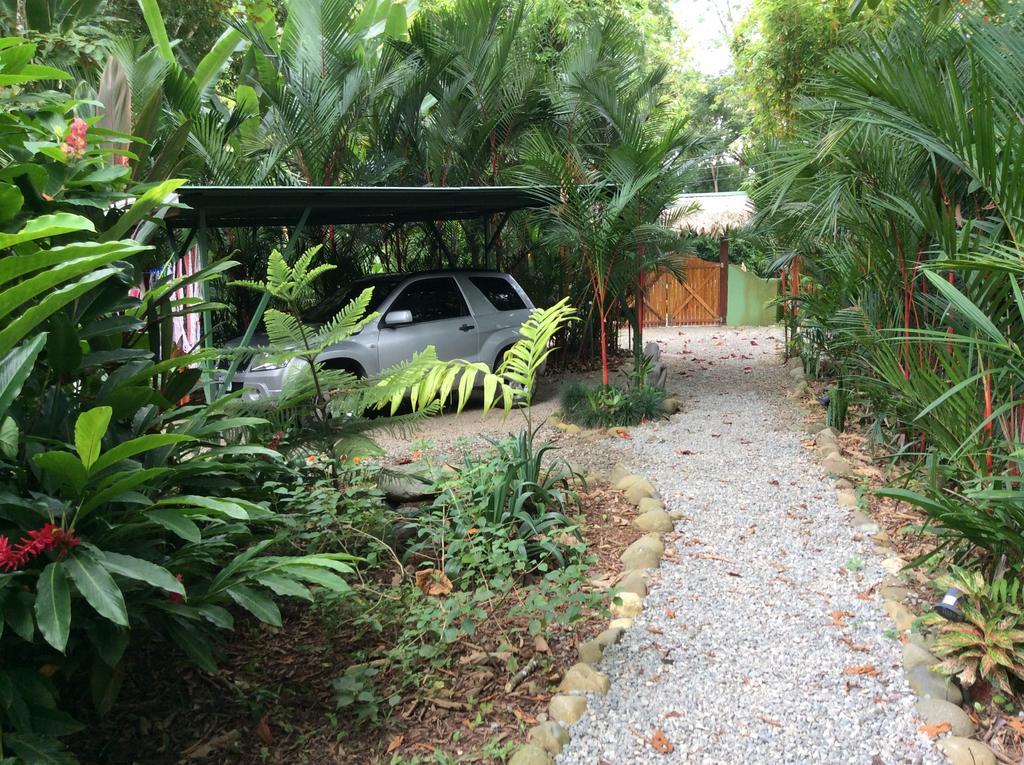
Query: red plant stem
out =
(989, 424)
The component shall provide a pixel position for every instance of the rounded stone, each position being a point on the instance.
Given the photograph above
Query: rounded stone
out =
(610, 636)
(645, 552)
(893, 592)
(590, 652)
(846, 498)
(937, 712)
(549, 736)
(654, 520)
(899, 614)
(641, 489)
(630, 605)
(966, 751)
(837, 466)
(567, 709)
(893, 566)
(826, 433)
(916, 656)
(670, 406)
(932, 685)
(650, 503)
(617, 473)
(572, 430)
(530, 755)
(626, 481)
(844, 483)
(582, 678)
(635, 582)
(620, 624)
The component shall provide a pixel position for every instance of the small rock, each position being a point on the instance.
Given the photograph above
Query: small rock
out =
(408, 487)
(626, 481)
(620, 624)
(899, 614)
(530, 754)
(670, 406)
(617, 473)
(590, 652)
(844, 483)
(610, 636)
(567, 709)
(797, 390)
(916, 656)
(630, 605)
(641, 489)
(593, 479)
(814, 427)
(846, 498)
(634, 582)
(649, 503)
(654, 520)
(582, 678)
(549, 736)
(797, 373)
(572, 430)
(826, 433)
(932, 685)
(893, 592)
(881, 537)
(966, 751)
(645, 552)
(837, 466)
(893, 565)
(936, 712)
(925, 641)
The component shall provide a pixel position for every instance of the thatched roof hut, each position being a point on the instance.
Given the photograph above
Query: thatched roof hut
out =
(713, 214)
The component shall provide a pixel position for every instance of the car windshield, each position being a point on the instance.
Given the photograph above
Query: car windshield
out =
(326, 309)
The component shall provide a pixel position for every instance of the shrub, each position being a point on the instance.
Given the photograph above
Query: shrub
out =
(988, 644)
(609, 406)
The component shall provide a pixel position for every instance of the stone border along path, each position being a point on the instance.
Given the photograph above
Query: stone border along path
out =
(762, 638)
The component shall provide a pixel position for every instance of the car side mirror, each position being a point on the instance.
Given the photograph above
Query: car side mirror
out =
(397, 318)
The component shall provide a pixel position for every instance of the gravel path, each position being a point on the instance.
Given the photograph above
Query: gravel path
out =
(741, 654)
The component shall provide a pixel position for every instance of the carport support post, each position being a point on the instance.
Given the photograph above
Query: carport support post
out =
(257, 316)
(723, 282)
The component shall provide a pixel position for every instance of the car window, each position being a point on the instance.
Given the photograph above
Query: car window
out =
(432, 300)
(328, 308)
(499, 292)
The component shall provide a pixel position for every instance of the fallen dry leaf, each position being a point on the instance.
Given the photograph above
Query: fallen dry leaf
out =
(838, 616)
(655, 631)
(673, 713)
(394, 743)
(769, 721)
(660, 742)
(433, 582)
(862, 669)
(669, 613)
(540, 644)
(935, 730)
(263, 731)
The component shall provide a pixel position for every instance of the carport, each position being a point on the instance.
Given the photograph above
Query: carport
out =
(194, 210)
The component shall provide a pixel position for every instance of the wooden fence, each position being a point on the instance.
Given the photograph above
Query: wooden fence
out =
(697, 300)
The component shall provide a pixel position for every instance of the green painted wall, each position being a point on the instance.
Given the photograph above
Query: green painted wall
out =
(749, 299)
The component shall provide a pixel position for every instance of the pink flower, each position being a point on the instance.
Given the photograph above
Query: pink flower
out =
(75, 144)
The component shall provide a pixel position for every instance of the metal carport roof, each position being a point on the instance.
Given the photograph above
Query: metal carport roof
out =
(230, 206)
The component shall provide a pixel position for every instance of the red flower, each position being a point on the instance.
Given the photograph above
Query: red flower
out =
(176, 597)
(38, 541)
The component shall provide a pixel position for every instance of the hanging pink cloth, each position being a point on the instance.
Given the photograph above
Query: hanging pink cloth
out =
(186, 330)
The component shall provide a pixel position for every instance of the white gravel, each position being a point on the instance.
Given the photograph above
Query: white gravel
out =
(737, 657)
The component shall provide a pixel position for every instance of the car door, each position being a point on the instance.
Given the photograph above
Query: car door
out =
(440, 317)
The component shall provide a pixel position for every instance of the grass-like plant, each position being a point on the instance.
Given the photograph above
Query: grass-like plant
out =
(605, 406)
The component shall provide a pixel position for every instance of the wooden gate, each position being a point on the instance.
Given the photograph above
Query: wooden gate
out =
(669, 302)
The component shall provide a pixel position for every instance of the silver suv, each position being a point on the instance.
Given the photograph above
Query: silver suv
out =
(471, 315)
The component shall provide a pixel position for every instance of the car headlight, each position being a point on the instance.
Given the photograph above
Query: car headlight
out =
(262, 364)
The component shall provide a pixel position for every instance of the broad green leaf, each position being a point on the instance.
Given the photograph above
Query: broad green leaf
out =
(90, 428)
(151, 200)
(142, 571)
(9, 438)
(53, 605)
(195, 645)
(177, 523)
(157, 31)
(15, 369)
(67, 467)
(39, 750)
(46, 226)
(11, 201)
(256, 603)
(128, 449)
(97, 585)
